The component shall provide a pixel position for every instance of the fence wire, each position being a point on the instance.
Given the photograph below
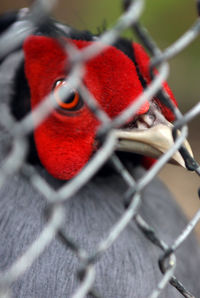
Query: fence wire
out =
(18, 130)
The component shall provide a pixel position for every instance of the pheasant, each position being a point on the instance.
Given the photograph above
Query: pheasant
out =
(62, 145)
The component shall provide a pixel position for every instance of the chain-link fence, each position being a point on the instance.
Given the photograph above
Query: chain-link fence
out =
(15, 161)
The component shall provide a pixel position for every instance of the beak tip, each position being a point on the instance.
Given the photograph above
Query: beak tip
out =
(152, 142)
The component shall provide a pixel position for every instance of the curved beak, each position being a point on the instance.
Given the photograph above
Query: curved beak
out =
(153, 142)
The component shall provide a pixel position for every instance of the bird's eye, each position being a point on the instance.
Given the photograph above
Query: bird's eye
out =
(72, 102)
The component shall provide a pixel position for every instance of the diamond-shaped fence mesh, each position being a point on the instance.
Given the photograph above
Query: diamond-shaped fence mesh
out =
(14, 162)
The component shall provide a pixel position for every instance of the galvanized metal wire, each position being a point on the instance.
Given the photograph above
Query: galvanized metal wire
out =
(15, 161)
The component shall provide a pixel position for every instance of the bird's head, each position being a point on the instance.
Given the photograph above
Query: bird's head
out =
(66, 139)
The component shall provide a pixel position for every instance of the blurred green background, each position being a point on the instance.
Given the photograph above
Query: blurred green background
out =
(165, 21)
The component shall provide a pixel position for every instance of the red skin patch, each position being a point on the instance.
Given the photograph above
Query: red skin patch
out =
(143, 61)
(66, 142)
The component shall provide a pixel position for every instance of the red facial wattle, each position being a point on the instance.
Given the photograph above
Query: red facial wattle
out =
(143, 62)
(66, 142)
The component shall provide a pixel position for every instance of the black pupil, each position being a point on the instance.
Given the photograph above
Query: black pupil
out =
(70, 97)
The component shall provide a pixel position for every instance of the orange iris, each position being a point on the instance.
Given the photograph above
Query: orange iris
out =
(71, 101)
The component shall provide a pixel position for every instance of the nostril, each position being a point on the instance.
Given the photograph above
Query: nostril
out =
(148, 119)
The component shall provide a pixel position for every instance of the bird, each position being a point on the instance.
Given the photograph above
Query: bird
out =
(59, 149)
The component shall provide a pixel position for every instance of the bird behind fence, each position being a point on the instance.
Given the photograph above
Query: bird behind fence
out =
(86, 124)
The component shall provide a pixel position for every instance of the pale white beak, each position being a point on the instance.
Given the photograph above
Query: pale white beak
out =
(151, 142)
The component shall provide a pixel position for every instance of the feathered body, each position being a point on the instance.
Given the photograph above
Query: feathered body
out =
(129, 267)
